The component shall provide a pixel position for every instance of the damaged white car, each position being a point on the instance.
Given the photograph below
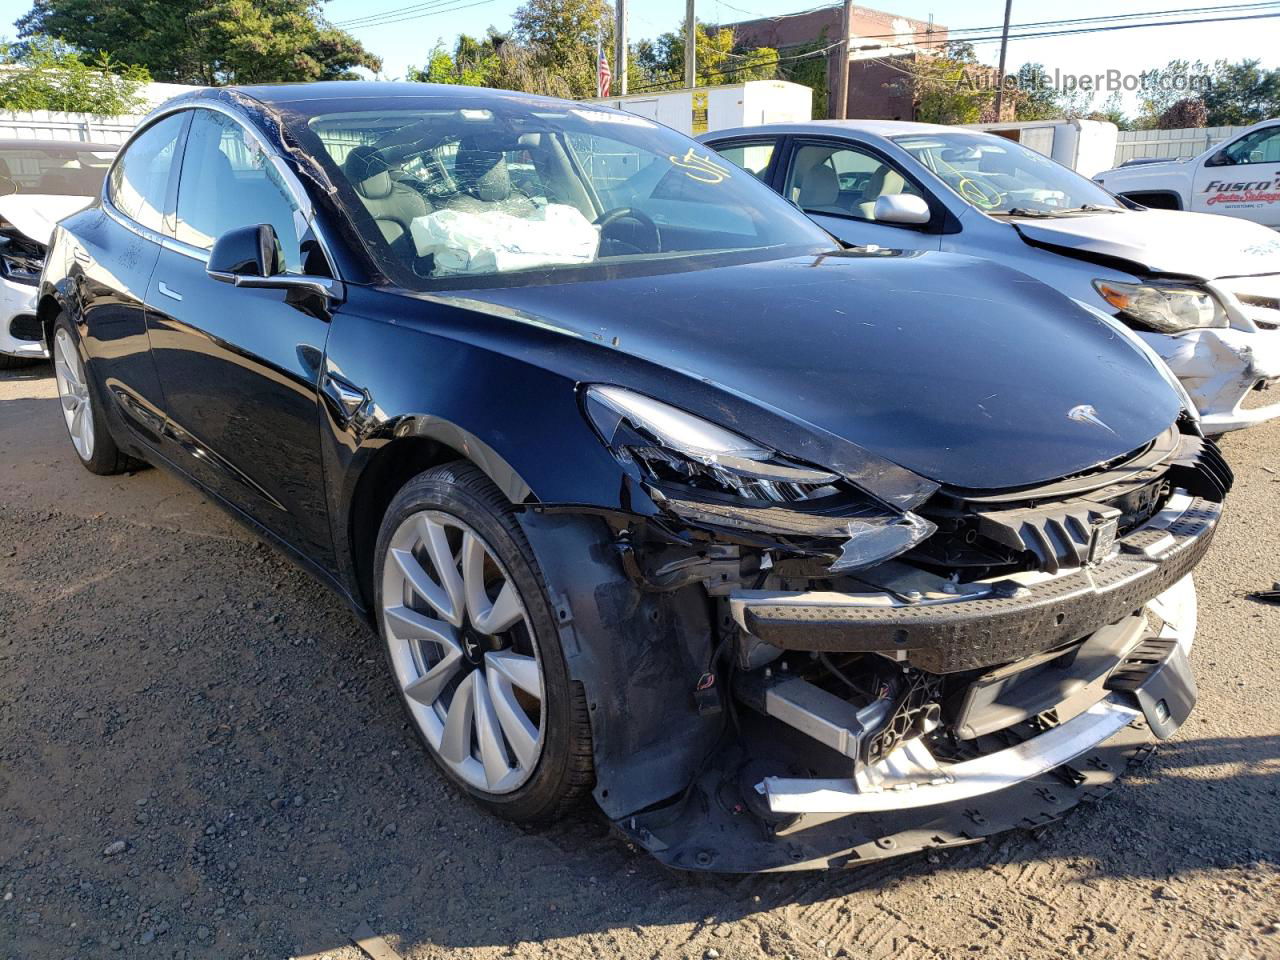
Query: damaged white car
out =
(1202, 290)
(40, 183)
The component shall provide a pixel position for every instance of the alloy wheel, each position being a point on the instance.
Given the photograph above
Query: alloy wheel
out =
(73, 393)
(463, 651)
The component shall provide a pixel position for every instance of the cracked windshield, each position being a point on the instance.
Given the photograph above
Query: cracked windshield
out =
(474, 192)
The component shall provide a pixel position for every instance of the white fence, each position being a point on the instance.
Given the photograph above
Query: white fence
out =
(1185, 142)
(43, 125)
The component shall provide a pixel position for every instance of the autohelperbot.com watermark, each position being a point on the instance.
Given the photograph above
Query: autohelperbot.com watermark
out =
(1108, 81)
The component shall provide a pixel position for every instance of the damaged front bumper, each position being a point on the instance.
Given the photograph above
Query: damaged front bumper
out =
(1060, 683)
(20, 334)
(1219, 369)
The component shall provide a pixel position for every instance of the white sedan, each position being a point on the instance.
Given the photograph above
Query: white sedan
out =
(41, 182)
(1202, 290)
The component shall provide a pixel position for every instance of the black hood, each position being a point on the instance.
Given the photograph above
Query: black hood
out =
(958, 369)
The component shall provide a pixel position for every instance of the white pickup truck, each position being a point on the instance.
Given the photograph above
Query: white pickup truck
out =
(1238, 179)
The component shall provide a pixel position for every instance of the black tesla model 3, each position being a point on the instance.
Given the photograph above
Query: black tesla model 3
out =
(792, 555)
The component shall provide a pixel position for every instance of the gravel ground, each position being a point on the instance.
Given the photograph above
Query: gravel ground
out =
(201, 756)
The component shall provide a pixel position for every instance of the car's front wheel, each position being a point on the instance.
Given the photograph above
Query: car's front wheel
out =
(474, 648)
(85, 419)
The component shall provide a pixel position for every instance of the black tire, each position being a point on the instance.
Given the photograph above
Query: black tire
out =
(106, 458)
(564, 771)
(12, 363)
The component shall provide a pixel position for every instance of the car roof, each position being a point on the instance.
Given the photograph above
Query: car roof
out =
(296, 95)
(876, 128)
(17, 143)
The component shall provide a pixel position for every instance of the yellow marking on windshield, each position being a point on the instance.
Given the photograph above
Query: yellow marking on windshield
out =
(700, 168)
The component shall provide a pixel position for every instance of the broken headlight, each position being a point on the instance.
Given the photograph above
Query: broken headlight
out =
(1165, 309)
(20, 267)
(676, 447)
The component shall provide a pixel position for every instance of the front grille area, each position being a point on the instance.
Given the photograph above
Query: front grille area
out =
(953, 636)
(1258, 297)
(981, 537)
(26, 327)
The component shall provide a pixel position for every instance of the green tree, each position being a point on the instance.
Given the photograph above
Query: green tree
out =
(205, 41)
(555, 51)
(1163, 87)
(1112, 110)
(43, 74)
(719, 59)
(1240, 93)
(951, 86)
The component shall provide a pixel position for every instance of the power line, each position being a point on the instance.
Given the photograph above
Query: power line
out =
(393, 12)
(421, 11)
(1220, 8)
(995, 38)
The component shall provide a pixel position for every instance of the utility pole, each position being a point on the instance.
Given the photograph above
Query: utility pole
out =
(1004, 45)
(690, 46)
(841, 54)
(620, 48)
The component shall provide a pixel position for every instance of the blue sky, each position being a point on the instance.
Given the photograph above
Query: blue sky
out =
(408, 43)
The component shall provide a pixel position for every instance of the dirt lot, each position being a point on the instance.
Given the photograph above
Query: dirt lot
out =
(201, 756)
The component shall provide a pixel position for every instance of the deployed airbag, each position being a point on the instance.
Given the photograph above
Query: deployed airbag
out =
(493, 241)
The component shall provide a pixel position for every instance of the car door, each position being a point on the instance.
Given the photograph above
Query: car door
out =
(837, 183)
(1242, 179)
(240, 366)
(114, 255)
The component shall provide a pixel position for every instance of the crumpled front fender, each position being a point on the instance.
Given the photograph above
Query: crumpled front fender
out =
(638, 656)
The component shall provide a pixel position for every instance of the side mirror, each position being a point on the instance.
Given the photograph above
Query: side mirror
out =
(904, 208)
(246, 252)
(251, 257)
(1219, 159)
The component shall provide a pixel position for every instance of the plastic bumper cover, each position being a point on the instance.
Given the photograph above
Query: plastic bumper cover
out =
(1006, 623)
(18, 300)
(1219, 368)
(1025, 784)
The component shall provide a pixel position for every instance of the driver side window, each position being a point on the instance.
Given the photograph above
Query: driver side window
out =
(841, 181)
(227, 182)
(1261, 146)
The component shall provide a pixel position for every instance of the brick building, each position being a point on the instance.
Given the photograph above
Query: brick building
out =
(876, 89)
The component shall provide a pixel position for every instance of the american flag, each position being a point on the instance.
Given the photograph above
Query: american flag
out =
(603, 76)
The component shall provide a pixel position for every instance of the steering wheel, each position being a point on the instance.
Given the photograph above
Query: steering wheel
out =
(610, 217)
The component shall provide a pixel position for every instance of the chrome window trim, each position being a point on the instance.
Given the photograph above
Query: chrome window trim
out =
(296, 191)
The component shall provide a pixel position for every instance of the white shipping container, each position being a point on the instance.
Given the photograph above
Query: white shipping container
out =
(705, 109)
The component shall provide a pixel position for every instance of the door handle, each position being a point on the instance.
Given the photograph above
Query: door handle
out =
(171, 294)
(82, 256)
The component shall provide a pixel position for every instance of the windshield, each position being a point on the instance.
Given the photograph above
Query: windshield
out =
(59, 170)
(460, 193)
(999, 176)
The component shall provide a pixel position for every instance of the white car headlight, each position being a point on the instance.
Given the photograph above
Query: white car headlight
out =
(678, 447)
(711, 475)
(1165, 309)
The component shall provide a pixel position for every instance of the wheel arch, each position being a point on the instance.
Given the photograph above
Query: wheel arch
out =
(47, 311)
(413, 445)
